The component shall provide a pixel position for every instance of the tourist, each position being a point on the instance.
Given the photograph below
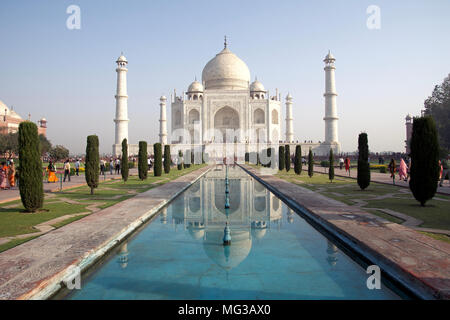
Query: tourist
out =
(408, 168)
(51, 172)
(341, 163)
(12, 174)
(117, 166)
(347, 165)
(77, 166)
(102, 167)
(392, 167)
(111, 166)
(66, 170)
(402, 170)
(3, 176)
(445, 170)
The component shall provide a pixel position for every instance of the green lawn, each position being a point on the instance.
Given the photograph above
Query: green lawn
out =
(15, 221)
(436, 213)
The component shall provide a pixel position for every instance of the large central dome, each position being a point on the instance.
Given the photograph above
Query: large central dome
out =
(226, 71)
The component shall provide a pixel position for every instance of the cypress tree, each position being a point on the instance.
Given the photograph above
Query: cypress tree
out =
(287, 155)
(331, 166)
(180, 160)
(310, 163)
(30, 167)
(143, 162)
(157, 151)
(363, 162)
(124, 168)
(167, 159)
(424, 171)
(298, 159)
(281, 158)
(92, 162)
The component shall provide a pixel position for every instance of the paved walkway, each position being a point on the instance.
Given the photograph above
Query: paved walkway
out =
(417, 261)
(378, 177)
(36, 268)
(75, 181)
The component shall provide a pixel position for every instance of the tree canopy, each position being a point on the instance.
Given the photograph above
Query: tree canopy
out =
(438, 107)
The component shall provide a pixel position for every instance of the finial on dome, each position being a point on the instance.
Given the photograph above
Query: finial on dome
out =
(225, 43)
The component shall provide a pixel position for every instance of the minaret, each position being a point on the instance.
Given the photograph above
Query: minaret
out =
(408, 125)
(162, 121)
(121, 119)
(331, 118)
(289, 124)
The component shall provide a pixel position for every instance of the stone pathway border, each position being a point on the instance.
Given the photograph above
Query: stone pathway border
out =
(415, 261)
(37, 268)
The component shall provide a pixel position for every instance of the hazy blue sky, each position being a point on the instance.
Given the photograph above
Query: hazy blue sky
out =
(69, 76)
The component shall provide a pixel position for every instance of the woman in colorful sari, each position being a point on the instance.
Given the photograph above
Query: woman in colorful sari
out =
(51, 173)
(347, 165)
(12, 174)
(3, 176)
(402, 170)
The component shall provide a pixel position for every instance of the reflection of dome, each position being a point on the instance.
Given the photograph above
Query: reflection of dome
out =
(259, 233)
(197, 233)
(227, 257)
(226, 71)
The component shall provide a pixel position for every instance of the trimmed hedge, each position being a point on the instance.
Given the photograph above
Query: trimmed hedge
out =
(30, 167)
(424, 171)
(125, 167)
(167, 159)
(157, 151)
(92, 162)
(143, 160)
(363, 162)
(331, 166)
(298, 159)
(310, 163)
(287, 156)
(281, 157)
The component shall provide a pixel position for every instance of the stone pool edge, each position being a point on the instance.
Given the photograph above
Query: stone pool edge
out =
(400, 274)
(55, 284)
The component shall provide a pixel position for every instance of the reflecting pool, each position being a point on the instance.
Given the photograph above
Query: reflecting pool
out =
(274, 253)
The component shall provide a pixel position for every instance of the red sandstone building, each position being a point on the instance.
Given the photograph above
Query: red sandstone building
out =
(10, 120)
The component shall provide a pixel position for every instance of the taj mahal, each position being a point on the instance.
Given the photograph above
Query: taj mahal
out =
(227, 108)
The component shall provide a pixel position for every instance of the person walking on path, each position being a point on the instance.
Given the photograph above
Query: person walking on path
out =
(111, 166)
(341, 163)
(102, 167)
(347, 165)
(12, 174)
(3, 176)
(392, 166)
(117, 166)
(66, 170)
(402, 170)
(77, 166)
(445, 170)
(51, 173)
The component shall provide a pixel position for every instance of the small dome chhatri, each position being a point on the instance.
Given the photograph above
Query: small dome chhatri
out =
(257, 86)
(195, 87)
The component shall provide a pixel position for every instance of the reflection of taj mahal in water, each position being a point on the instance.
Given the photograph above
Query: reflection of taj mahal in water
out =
(201, 213)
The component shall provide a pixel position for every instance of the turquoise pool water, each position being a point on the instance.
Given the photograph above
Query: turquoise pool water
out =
(274, 253)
